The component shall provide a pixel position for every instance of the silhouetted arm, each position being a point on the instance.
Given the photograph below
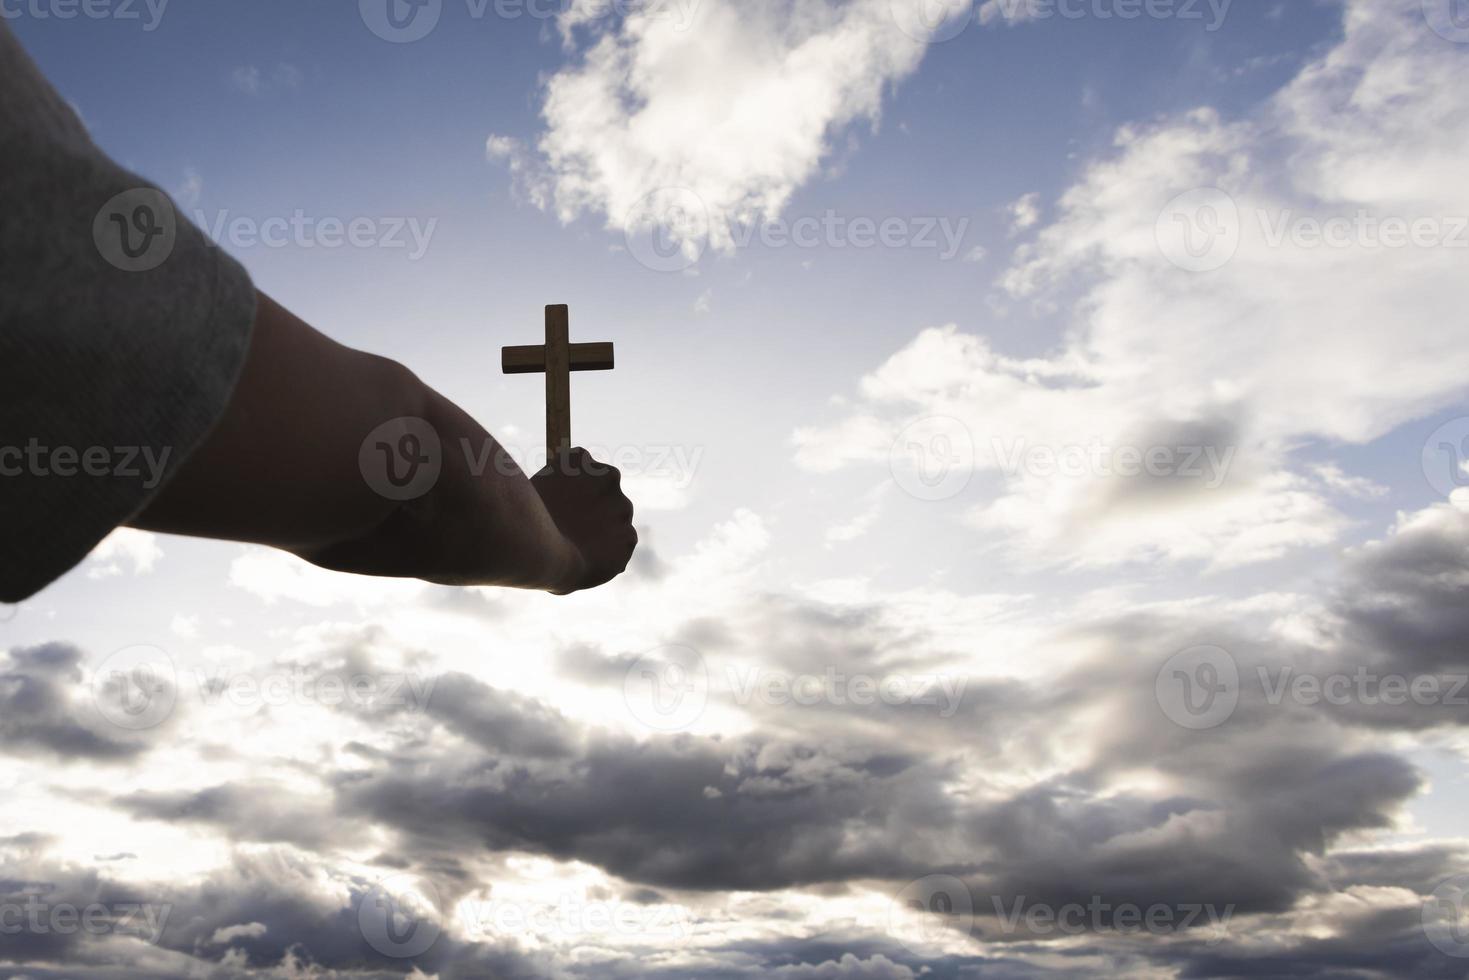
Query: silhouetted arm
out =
(282, 468)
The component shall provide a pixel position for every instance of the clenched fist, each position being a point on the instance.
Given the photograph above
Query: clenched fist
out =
(585, 499)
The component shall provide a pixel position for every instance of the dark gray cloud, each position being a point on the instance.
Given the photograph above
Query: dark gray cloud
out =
(249, 811)
(786, 814)
(45, 709)
(1260, 816)
(1193, 457)
(268, 914)
(499, 721)
(1406, 599)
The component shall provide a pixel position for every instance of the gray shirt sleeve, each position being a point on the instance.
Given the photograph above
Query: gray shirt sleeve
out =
(122, 333)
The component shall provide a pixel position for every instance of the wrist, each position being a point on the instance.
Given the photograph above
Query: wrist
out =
(566, 568)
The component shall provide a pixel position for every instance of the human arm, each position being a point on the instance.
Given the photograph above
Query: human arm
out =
(282, 467)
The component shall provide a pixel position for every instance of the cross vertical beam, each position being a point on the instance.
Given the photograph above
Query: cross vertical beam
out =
(558, 380)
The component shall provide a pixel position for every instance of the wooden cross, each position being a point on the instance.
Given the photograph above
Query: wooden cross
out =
(557, 358)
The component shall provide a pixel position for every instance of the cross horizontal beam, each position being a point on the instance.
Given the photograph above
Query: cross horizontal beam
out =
(532, 360)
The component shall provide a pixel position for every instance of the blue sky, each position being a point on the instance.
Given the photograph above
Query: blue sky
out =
(345, 124)
(785, 386)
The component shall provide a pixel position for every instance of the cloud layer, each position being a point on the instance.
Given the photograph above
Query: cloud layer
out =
(1242, 283)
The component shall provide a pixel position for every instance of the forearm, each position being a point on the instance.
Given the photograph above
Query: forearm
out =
(282, 468)
(483, 522)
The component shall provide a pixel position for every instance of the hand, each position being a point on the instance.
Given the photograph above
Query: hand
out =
(585, 499)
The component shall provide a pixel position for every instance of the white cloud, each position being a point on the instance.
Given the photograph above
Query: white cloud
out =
(1351, 486)
(273, 575)
(191, 190)
(138, 550)
(656, 491)
(1025, 213)
(1285, 343)
(737, 107)
(862, 521)
(246, 79)
(501, 147)
(252, 80)
(227, 935)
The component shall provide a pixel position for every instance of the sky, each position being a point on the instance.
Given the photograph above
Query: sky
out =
(1049, 426)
